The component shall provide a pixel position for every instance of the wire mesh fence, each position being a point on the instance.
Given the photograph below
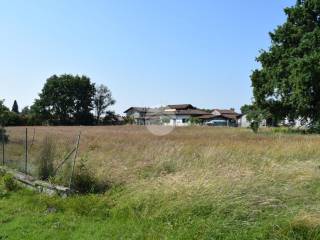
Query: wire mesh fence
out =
(43, 154)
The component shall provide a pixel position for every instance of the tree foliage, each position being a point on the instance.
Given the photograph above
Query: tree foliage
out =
(4, 112)
(15, 107)
(254, 115)
(8, 118)
(25, 111)
(102, 100)
(66, 99)
(288, 83)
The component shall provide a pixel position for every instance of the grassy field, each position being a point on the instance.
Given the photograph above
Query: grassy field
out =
(195, 183)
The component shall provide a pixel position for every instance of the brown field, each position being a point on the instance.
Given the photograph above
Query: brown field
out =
(192, 156)
(220, 180)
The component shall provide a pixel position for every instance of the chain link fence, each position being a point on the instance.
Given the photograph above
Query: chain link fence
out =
(39, 152)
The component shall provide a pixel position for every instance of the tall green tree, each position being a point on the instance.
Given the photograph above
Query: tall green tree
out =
(7, 117)
(288, 82)
(25, 110)
(4, 113)
(15, 107)
(102, 100)
(66, 99)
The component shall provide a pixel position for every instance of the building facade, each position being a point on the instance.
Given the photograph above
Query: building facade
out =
(183, 115)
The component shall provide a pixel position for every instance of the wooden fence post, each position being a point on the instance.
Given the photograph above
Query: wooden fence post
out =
(74, 159)
(26, 153)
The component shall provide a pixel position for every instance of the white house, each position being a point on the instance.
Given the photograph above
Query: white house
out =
(173, 115)
(244, 122)
(182, 114)
(138, 114)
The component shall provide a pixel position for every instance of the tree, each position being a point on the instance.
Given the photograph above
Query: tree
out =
(15, 107)
(4, 113)
(254, 115)
(288, 83)
(66, 99)
(102, 100)
(25, 110)
(111, 118)
(9, 118)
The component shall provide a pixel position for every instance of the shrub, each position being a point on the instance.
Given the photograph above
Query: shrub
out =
(194, 121)
(2, 172)
(9, 182)
(14, 119)
(129, 120)
(314, 127)
(85, 182)
(45, 159)
(254, 126)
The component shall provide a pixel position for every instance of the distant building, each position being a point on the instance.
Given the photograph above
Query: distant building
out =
(174, 115)
(182, 115)
(244, 122)
(222, 117)
(138, 114)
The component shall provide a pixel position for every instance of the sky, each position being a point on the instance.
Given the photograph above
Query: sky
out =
(148, 52)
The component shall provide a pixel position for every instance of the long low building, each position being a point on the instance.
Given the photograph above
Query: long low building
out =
(183, 115)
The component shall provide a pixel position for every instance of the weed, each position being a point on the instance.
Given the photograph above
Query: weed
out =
(84, 181)
(10, 183)
(45, 159)
(168, 167)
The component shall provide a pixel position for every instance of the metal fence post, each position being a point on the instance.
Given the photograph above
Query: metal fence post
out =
(26, 153)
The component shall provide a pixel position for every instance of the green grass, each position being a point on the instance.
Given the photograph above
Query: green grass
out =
(196, 183)
(157, 214)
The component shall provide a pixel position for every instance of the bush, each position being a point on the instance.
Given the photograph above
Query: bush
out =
(254, 126)
(129, 120)
(195, 121)
(45, 159)
(85, 182)
(9, 182)
(314, 127)
(14, 119)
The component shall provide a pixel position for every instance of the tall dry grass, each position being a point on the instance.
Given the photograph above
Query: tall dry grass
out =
(130, 154)
(230, 176)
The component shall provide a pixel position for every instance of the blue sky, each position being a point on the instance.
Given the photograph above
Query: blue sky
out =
(148, 52)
